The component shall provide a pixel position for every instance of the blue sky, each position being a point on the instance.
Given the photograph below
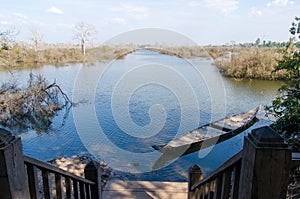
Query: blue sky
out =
(204, 21)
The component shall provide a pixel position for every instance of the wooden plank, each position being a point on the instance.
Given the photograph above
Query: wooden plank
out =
(32, 181)
(226, 184)
(75, 188)
(87, 191)
(81, 189)
(218, 187)
(45, 166)
(236, 181)
(46, 184)
(58, 186)
(68, 187)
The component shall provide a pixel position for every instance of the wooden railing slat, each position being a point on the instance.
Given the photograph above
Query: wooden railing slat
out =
(46, 184)
(87, 191)
(68, 188)
(58, 185)
(53, 169)
(221, 169)
(236, 181)
(32, 182)
(218, 187)
(226, 184)
(75, 188)
(81, 189)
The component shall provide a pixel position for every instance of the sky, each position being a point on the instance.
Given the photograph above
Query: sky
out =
(215, 22)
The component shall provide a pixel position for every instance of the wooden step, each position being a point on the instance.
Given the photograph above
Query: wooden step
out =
(145, 189)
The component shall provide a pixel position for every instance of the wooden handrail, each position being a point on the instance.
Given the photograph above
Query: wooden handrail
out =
(55, 170)
(228, 164)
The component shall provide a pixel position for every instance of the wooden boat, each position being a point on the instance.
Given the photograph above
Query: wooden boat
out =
(211, 133)
(205, 136)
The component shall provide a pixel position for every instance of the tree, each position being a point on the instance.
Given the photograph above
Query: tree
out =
(31, 106)
(84, 34)
(7, 38)
(36, 37)
(257, 41)
(286, 106)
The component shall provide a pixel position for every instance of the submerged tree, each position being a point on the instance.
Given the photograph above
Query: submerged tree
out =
(31, 106)
(286, 106)
(84, 34)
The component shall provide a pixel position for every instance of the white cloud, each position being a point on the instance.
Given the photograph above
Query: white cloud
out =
(54, 10)
(4, 22)
(117, 20)
(20, 15)
(65, 25)
(132, 11)
(280, 3)
(195, 3)
(222, 6)
(255, 12)
(20, 18)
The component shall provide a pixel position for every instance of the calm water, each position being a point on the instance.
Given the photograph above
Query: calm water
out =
(145, 99)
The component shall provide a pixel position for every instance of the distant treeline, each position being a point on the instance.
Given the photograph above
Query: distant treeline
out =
(264, 43)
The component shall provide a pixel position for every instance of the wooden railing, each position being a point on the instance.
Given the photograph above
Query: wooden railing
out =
(260, 170)
(222, 183)
(65, 184)
(25, 177)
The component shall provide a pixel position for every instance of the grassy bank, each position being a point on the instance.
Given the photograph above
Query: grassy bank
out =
(253, 63)
(24, 57)
(235, 61)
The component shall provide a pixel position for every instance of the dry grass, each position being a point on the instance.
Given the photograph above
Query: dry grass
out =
(22, 56)
(234, 61)
(256, 63)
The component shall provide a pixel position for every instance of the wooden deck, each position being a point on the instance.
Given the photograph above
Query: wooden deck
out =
(118, 189)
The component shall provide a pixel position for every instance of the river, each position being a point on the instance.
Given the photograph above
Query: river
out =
(147, 98)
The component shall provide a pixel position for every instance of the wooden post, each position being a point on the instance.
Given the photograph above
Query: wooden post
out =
(13, 180)
(195, 175)
(93, 173)
(265, 165)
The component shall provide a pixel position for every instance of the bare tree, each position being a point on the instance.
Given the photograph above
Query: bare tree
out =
(31, 106)
(84, 34)
(7, 37)
(36, 37)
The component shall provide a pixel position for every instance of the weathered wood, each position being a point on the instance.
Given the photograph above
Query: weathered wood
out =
(52, 169)
(87, 191)
(229, 163)
(93, 172)
(265, 165)
(218, 187)
(75, 188)
(58, 185)
(68, 187)
(33, 181)
(195, 175)
(236, 180)
(81, 190)
(13, 180)
(46, 184)
(226, 184)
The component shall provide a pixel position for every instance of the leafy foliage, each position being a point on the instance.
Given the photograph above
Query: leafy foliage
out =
(286, 106)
